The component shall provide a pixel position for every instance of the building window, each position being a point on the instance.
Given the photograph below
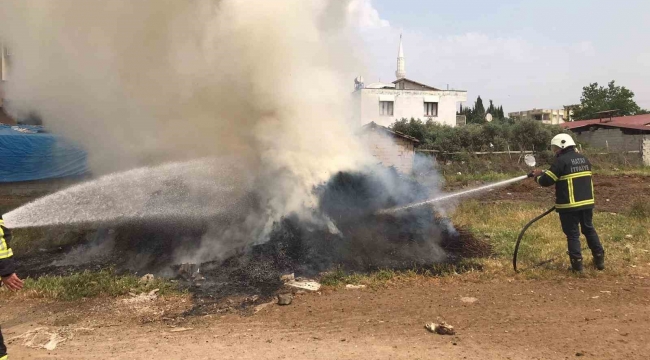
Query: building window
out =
(386, 108)
(430, 109)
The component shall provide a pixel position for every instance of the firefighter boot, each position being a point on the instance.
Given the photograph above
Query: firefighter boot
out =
(599, 261)
(576, 265)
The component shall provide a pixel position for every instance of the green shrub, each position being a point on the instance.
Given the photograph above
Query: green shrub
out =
(500, 135)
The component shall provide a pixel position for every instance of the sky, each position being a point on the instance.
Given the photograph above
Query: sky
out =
(522, 54)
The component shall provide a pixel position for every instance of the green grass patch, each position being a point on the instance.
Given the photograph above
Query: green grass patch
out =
(640, 209)
(626, 238)
(89, 284)
(30, 240)
(338, 277)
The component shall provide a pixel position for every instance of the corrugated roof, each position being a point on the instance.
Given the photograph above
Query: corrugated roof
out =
(374, 125)
(630, 122)
(623, 126)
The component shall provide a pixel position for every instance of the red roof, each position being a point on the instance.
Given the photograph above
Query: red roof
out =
(639, 122)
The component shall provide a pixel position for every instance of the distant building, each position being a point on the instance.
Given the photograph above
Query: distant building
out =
(4, 71)
(569, 110)
(546, 116)
(383, 103)
(624, 133)
(390, 148)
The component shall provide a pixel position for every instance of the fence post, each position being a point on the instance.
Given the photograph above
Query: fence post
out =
(645, 151)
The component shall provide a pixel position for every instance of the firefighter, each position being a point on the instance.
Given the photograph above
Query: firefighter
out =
(574, 199)
(8, 273)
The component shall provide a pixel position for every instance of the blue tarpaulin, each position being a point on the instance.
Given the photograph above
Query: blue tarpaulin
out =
(27, 153)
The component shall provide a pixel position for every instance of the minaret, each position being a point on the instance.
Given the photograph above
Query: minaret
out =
(401, 70)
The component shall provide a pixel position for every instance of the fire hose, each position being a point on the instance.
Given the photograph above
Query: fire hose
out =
(523, 231)
(521, 235)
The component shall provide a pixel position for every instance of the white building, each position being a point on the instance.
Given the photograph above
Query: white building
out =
(404, 98)
(546, 116)
(390, 148)
(4, 69)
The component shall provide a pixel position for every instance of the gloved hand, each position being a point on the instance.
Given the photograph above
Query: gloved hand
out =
(537, 172)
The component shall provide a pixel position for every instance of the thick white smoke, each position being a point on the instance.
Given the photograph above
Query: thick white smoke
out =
(149, 81)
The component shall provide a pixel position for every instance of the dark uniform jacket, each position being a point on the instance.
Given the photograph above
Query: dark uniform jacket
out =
(571, 174)
(7, 265)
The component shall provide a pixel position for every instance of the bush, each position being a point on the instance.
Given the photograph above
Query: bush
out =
(525, 135)
(640, 209)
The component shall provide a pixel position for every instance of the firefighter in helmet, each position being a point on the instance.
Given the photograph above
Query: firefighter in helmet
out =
(574, 199)
(7, 272)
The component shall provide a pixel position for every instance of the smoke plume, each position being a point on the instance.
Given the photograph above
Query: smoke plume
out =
(141, 83)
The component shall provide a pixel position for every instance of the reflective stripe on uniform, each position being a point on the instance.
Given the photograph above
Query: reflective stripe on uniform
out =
(576, 175)
(6, 254)
(4, 357)
(576, 204)
(572, 198)
(3, 243)
(2, 222)
(551, 175)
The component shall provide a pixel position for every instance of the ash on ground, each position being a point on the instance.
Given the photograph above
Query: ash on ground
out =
(362, 241)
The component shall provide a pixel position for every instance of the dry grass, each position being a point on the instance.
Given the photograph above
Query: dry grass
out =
(542, 254)
(626, 239)
(90, 284)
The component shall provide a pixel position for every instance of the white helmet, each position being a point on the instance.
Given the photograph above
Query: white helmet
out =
(563, 141)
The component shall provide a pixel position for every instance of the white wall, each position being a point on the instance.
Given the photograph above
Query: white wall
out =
(390, 150)
(408, 104)
(4, 63)
(4, 70)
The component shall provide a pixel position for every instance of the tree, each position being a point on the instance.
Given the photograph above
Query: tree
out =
(500, 114)
(495, 136)
(476, 115)
(479, 111)
(599, 98)
(415, 128)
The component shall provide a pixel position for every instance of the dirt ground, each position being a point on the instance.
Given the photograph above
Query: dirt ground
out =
(603, 318)
(613, 193)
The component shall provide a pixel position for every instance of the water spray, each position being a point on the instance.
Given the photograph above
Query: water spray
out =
(455, 195)
(528, 159)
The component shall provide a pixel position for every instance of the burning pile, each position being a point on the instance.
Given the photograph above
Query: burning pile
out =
(351, 234)
(362, 239)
